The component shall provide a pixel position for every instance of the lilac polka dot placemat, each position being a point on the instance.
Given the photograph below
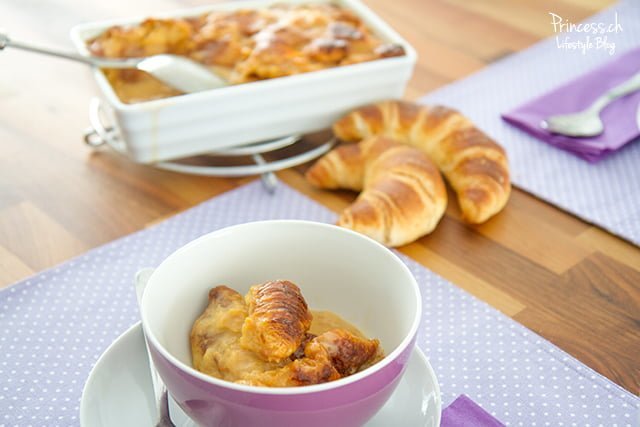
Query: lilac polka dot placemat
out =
(55, 325)
(606, 193)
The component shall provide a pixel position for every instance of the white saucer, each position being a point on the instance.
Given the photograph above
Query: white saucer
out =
(119, 393)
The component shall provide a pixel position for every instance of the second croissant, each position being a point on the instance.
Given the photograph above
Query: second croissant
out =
(402, 194)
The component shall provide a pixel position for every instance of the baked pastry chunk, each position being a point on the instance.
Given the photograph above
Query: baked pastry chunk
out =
(327, 357)
(474, 164)
(278, 318)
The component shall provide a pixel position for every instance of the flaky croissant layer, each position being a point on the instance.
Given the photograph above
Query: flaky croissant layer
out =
(402, 193)
(277, 321)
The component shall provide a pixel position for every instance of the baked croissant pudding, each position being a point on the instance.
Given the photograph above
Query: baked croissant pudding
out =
(473, 164)
(270, 338)
(243, 45)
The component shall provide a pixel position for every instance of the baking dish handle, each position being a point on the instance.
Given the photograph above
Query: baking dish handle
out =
(101, 133)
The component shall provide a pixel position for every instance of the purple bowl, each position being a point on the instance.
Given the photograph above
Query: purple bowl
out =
(336, 269)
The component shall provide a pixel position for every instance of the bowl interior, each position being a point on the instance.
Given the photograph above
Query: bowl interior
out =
(336, 269)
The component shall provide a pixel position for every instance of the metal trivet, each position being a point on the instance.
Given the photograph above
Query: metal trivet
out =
(104, 134)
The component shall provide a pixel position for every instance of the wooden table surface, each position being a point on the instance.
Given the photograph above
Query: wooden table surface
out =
(572, 283)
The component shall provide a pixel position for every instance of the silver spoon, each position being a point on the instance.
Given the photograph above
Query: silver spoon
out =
(176, 71)
(160, 393)
(587, 122)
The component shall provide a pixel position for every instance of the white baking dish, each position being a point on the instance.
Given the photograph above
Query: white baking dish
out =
(197, 123)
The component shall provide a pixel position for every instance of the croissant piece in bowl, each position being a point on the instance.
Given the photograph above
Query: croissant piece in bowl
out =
(215, 338)
(332, 355)
(277, 322)
(474, 164)
(402, 193)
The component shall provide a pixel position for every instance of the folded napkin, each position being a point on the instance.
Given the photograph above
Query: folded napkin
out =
(619, 118)
(464, 412)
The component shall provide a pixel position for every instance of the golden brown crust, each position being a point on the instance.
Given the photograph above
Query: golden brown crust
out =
(347, 352)
(341, 168)
(474, 164)
(277, 322)
(349, 126)
(407, 114)
(403, 196)
(246, 44)
(465, 138)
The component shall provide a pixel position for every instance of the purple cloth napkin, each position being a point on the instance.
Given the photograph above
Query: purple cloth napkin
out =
(464, 412)
(619, 118)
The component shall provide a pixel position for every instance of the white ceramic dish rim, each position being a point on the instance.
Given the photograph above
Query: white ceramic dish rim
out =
(84, 411)
(376, 23)
(284, 391)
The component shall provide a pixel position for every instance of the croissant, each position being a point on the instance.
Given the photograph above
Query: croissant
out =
(403, 196)
(475, 166)
(277, 322)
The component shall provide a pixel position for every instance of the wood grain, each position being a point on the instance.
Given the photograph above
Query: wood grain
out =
(35, 238)
(572, 283)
